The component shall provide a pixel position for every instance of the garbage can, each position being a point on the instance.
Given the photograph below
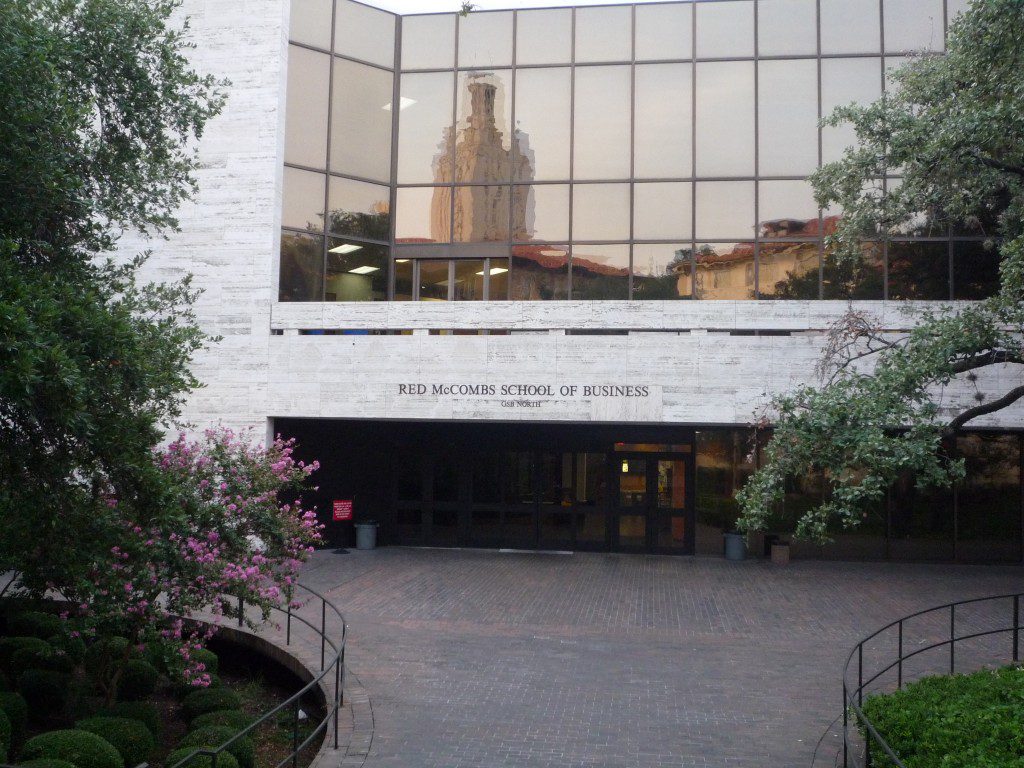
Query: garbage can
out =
(366, 535)
(735, 546)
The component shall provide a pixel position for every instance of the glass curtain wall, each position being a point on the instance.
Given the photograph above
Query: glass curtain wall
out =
(656, 151)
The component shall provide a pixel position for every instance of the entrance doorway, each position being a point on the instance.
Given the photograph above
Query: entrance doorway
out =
(653, 508)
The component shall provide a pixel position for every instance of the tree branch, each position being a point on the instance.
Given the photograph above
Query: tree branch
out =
(990, 357)
(1008, 399)
(998, 165)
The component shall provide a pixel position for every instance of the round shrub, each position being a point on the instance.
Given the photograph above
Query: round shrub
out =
(231, 718)
(11, 645)
(207, 658)
(243, 749)
(133, 740)
(209, 700)
(5, 684)
(103, 653)
(72, 647)
(183, 688)
(16, 709)
(44, 690)
(138, 680)
(34, 624)
(41, 658)
(141, 711)
(5, 733)
(224, 759)
(46, 762)
(82, 748)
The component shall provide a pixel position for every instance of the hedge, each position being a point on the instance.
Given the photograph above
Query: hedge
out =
(224, 759)
(132, 739)
(143, 711)
(209, 700)
(232, 718)
(82, 748)
(11, 645)
(957, 720)
(42, 658)
(45, 692)
(16, 708)
(138, 680)
(244, 749)
(34, 624)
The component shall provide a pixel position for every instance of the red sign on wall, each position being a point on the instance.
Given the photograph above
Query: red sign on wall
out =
(343, 509)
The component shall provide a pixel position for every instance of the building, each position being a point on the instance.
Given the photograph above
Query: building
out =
(524, 278)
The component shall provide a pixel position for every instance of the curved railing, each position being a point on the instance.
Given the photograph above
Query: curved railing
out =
(926, 642)
(331, 668)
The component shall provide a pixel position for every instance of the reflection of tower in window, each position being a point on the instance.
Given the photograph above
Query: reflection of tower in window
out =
(476, 155)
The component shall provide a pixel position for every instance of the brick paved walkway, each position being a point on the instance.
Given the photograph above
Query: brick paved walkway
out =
(485, 659)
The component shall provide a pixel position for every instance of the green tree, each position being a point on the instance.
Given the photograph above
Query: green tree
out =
(953, 128)
(100, 110)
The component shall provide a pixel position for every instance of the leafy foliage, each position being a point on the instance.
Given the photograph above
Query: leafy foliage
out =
(210, 700)
(953, 126)
(975, 720)
(132, 739)
(82, 748)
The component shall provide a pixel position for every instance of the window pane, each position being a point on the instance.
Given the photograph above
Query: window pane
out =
(664, 31)
(723, 466)
(892, 64)
(481, 214)
(600, 211)
(663, 147)
(787, 209)
(975, 270)
(546, 216)
(725, 118)
(725, 271)
(988, 504)
(469, 280)
(424, 152)
(484, 128)
(601, 126)
(918, 270)
(844, 81)
(428, 42)
(361, 120)
(543, 107)
(485, 39)
(850, 26)
(364, 33)
(863, 280)
(433, 279)
(539, 272)
(423, 214)
(356, 271)
(788, 113)
(403, 279)
(662, 211)
(788, 270)
(544, 37)
(303, 200)
(786, 27)
(725, 29)
(604, 34)
(662, 271)
(358, 208)
(913, 25)
(306, 110)
(954, 7)
(310, 23)
(302, 268)
(497, 277)
(600, 271)
(725, 209)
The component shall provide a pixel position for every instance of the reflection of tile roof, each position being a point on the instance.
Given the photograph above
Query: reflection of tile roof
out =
(555, 257)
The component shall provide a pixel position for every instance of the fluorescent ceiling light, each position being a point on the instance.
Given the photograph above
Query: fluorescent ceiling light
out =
(401, 261)
(346, 248)
(403, 102)
(494, 271)
(363, 270)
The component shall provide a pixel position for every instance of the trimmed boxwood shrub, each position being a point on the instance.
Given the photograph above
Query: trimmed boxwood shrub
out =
(132, 739)
(243, 749)
(72, 647)
(5, 733)
(208, 658)
(46, 762)
(41, 658)
(232, 718)
(209, 700)
(16, 708)
(44, 690)
(34, 624)
(224, 759)
(82, 748)
(103, 653)
(955, 720)
(11, 645)
(138, 680)
(143, 711)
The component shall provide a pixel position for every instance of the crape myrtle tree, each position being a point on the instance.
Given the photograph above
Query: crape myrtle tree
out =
(99, 114)
(953, 128)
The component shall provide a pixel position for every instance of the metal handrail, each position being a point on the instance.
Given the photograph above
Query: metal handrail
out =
(335, 665)
(853, 695)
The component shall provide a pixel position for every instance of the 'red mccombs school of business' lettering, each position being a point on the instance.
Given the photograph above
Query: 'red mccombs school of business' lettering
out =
(522, 279)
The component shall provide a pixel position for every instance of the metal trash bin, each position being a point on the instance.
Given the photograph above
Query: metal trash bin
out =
(366, 535)
(735, 546)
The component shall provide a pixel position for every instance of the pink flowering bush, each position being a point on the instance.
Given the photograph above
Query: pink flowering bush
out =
(232, 526)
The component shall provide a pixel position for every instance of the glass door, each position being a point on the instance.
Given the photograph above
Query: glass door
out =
(654, 510)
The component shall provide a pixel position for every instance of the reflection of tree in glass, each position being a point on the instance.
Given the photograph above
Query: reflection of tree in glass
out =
(864, 279)
(302, 263)
(375, 226)
(674, 284)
